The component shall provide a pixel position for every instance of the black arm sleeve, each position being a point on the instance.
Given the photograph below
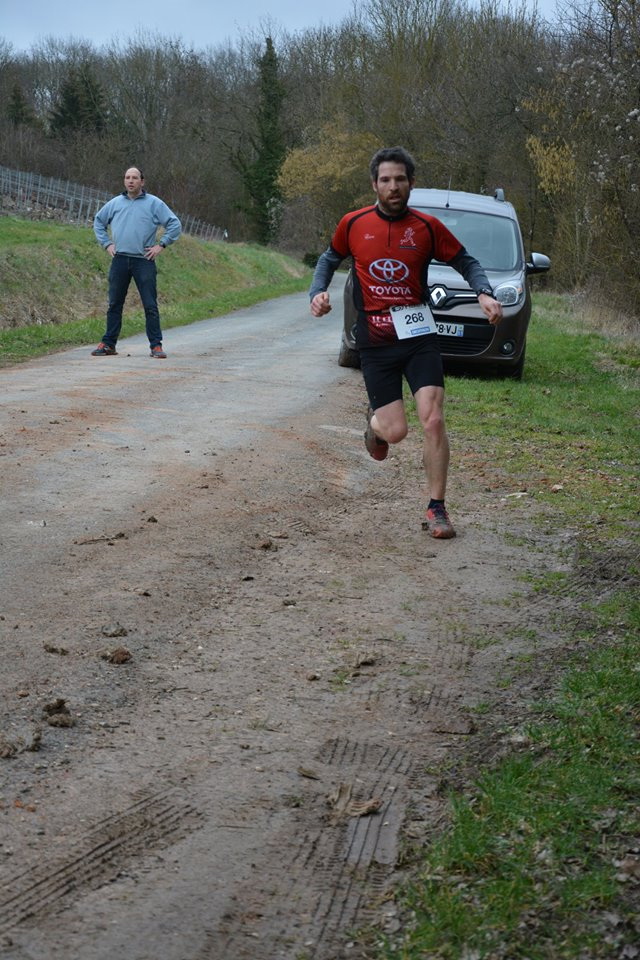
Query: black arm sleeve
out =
(328, 263)
(469, 268)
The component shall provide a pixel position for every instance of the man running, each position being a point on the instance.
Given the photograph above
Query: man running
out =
(392, 246)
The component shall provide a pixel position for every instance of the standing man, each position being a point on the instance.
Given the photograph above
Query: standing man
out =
(133, 218)
(392, 246)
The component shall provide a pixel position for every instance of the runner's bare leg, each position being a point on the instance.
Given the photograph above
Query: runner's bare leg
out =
(430, 409)
(390, 422)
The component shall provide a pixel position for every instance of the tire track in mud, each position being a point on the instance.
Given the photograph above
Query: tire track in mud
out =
(339, 877)
(150, 823)
(305, 560)
(339, 870)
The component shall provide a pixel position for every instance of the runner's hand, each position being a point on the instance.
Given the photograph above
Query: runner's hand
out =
(491, 308)
(320, 304)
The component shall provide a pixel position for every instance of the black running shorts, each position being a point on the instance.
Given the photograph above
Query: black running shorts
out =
(383, 368)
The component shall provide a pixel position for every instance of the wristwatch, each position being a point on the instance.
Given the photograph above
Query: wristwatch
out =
(487, 290)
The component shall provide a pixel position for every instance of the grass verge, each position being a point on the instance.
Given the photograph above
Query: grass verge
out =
(566, 435)
(541, 859)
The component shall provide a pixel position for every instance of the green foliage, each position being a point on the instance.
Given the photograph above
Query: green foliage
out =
(81, 106)
(260, 172)
(484, 94)
(19, 111)
(585, 148)
(331, 173)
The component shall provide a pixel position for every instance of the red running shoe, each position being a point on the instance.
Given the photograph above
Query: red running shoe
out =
(437, 523)
(376, 446)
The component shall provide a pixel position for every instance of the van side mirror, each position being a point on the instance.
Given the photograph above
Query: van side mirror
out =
(539, 263)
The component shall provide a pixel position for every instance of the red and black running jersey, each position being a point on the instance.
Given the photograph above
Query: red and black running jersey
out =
(391, 257)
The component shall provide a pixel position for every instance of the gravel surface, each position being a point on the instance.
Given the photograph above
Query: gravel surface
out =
(235, 668)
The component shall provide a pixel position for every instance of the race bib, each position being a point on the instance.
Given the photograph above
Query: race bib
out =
(413, 321)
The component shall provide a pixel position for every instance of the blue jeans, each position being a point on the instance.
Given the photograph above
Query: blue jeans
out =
(143, 272)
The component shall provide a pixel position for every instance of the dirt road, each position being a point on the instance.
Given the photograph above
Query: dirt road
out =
(298, 662)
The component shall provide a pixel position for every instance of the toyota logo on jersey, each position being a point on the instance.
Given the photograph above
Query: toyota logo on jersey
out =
(389, 271)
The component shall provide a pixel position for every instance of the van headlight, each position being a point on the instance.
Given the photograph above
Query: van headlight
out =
(509, 294)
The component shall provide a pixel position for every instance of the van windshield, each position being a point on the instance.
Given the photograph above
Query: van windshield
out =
(493, 241)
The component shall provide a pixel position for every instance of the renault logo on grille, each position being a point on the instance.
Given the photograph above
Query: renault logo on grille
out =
(438, 296)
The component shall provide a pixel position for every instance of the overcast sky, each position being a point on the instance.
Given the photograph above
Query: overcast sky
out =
(199, 23)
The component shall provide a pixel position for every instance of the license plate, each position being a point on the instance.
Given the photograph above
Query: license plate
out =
(450, 329)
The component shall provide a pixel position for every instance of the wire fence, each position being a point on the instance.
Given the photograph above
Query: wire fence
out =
(40, 198)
